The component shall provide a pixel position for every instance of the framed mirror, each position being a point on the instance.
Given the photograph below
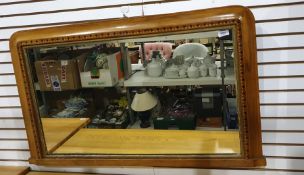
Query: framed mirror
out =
(174, 90)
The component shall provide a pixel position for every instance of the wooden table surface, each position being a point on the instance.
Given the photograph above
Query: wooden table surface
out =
(58, 130)
(134, 141)
(13, 170)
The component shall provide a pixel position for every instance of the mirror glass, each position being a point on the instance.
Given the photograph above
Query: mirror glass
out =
(167, 94)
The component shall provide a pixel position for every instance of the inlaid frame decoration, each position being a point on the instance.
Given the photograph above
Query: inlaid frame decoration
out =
(237, 18)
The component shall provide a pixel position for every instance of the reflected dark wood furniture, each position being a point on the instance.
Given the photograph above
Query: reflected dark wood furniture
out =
(238, 18)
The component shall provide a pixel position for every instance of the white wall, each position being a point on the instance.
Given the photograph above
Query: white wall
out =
(280, 40)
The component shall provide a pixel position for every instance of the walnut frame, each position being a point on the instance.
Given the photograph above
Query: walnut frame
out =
(238, 17)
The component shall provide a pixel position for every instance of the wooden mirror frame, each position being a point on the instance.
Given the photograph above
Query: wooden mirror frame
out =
(237, 17)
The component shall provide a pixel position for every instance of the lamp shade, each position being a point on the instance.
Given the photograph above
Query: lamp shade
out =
(143, 101)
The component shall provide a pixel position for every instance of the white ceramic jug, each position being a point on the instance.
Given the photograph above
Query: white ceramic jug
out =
(154, 68)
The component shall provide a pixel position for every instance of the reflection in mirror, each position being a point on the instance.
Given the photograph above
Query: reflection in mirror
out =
(169, 94)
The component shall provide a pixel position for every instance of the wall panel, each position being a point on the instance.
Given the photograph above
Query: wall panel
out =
(280, 41)
(14, 163)
(283, 137)
(282, 97)
(7, 134)
(10, 112)
(14, 155)
(281, 83)
(282, 110)
(14, 144)
(6, 68)
(11, 123)
(282, 124)
(5, 57)
(279, 27)
(281, 55)
(283, 151)
(9, 102)
(7, 80)
(8, 90)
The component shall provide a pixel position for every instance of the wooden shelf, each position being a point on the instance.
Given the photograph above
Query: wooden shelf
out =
(141, 79)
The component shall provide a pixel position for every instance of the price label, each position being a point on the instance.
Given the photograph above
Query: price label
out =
(223, 33)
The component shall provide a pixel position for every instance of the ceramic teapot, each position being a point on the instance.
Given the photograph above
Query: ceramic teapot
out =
(154, 68)
(193, 71)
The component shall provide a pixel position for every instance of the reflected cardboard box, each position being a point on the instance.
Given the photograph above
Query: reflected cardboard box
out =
(91, 76)
(57, 75)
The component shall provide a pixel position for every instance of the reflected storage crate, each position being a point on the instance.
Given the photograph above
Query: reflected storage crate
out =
(182, 123)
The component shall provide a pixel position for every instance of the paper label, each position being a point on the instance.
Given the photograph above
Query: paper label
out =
(63, 74)
(46, 76)
(64, 62)
(206, 100)
(55, 83)
(223, 33)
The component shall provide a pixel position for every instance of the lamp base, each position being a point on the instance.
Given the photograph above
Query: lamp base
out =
(144, 117)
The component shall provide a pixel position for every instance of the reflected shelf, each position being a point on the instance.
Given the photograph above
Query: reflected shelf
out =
(141, 79)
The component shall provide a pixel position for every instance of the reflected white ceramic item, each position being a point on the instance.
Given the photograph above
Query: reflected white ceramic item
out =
(213, 70)
(172, 72)
(208, 60)
(182, 73)
(185, 66)
(203, 70)
(154, 68)
(193, 71)
(191, 49)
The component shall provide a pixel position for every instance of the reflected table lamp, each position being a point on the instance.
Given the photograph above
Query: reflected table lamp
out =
(142, 103)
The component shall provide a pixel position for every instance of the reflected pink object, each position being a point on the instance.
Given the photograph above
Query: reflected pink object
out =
(164, 48)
